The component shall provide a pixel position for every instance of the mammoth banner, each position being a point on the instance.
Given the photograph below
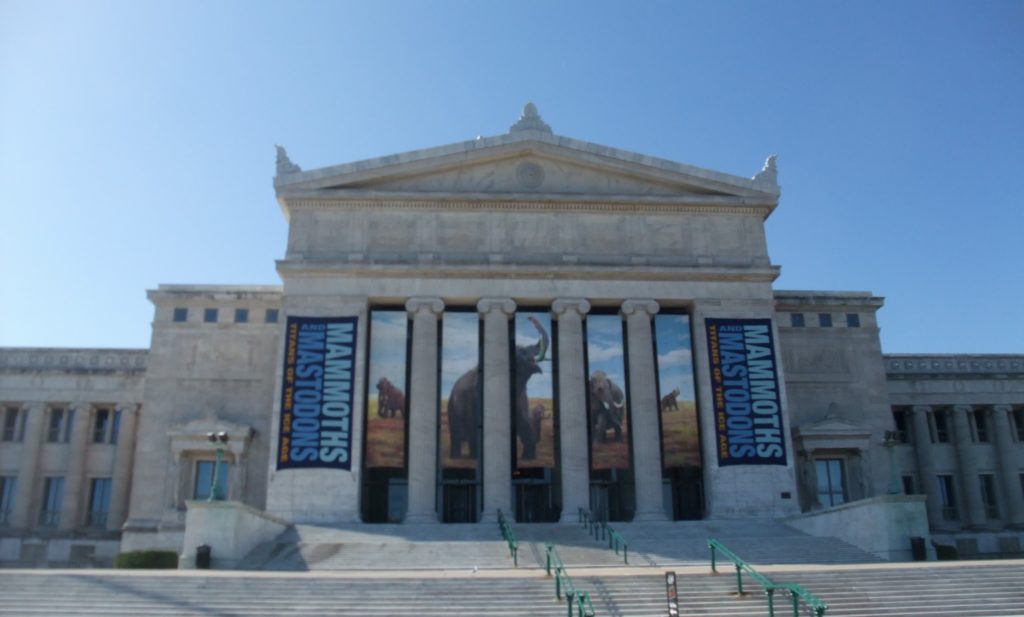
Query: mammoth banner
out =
(606, 393)
(745, 392)
(385, 404)
(461, 391)
(680, 441)
(316, 393)
(533, 391)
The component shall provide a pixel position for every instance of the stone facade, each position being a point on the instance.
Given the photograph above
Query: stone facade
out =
(526, 223)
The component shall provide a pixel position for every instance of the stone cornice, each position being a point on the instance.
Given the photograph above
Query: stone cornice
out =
(953, 365)
(578, 270)
(43, 359)
(825, 300)
(522, 202)
(215, 292)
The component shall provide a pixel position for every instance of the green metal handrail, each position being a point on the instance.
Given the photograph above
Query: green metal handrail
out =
(797, 593)
(564, 586)
(600, 530)
(510, 538)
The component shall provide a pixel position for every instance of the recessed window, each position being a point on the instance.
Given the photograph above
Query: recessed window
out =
(204, 479)
(940, 420)
(99, 502)
(100, 425)
(947, 497)
(1018, 424)
(908, 485)
(8, 487)
(181, 315)
(825, 320)
(796, 320)
(11, 424)
(271, 316)
(241, 315)
(210, 315)
(115, 426)
(53, 494)
(980, 425)
(988, 495)
(831, 485)
(900, 419)
(852, 320)
(59, 429)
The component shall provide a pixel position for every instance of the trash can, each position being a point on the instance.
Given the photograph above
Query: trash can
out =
(917, 549)
(203, 557)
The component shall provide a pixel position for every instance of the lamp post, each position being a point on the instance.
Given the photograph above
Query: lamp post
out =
(889, 443)
(219, 440)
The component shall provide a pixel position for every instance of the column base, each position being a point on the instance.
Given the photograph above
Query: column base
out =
(417, 518)
(650, 516)
(567, 518)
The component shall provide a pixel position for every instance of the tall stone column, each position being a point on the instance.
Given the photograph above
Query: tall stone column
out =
(926, 464)
(28, 476)
(1009, 474)
(967, 463)
(123, 461)
(423, 410)
(497, 450)
(74, 475)
(643, 398)
(572, 407)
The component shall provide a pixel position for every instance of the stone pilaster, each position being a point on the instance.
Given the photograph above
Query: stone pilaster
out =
(74, 475)
(967, 463)
(497, 450)
(926, 464)
(643, 399)
(572, 407)
(29, 482)
(123, 463)
(1009, 473)
(423, 410)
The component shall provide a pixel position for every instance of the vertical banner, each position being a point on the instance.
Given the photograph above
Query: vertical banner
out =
(460, 390)
(316, 395)
(533, 392)
(606, 368)
(680, 441)
(386, 402)
(745, 392)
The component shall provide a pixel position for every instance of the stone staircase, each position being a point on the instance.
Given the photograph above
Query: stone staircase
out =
(948, 589)
(384, 547)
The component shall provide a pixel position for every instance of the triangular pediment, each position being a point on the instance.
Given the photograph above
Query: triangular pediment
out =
(523, 163)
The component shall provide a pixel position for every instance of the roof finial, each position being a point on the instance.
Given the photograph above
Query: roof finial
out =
(285, 165)
(530, 121)
(770, 172)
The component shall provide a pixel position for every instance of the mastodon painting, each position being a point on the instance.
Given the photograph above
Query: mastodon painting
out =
(464, 405)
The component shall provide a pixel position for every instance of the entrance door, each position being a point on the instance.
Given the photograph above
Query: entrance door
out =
(459, 503)
(533, 503)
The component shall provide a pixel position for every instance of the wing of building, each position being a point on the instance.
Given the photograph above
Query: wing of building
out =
(526, 323)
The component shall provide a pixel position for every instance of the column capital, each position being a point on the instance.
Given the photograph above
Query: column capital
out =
(1002, 408)
(128, 408)
(563, 306)
(637, 306)
(420, 304)
(81, 406)
(921, 408)
(496, 305)
(963, 408)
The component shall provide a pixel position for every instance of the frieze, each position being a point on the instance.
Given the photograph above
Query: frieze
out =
(106, 360)
(954, 365)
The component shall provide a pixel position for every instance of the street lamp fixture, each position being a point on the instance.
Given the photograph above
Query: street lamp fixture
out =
(219, 440)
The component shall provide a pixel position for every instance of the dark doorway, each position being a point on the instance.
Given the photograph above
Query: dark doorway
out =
(458, 503)
(385, 494)
(685, 490)
(534, 503)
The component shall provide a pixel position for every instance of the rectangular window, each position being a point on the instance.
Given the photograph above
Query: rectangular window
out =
(902, 423)
(115, 426)
(831, 484)
(241, 315)
(941, 421)
(8, 486)
(988, 495)
(271, 316)
(100, 425)
(825, 320)
(99, 502)
(1018, 423)
(947, 497)
(796, 320)
(56, 426)
(852, 320)
(210, 315)
(180, 314)
(11, 424)
(69, 423)
(908, 485)
(204, 479)
(980, 425)
(53, 493)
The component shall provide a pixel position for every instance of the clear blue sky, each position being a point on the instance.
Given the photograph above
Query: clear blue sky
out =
(136, 137)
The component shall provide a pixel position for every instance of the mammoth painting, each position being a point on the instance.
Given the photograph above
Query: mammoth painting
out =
(607, 411)
(464, 407)
(607, 408)
(385, 418)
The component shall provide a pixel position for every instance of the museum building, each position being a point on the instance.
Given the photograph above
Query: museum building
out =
(524, 323)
